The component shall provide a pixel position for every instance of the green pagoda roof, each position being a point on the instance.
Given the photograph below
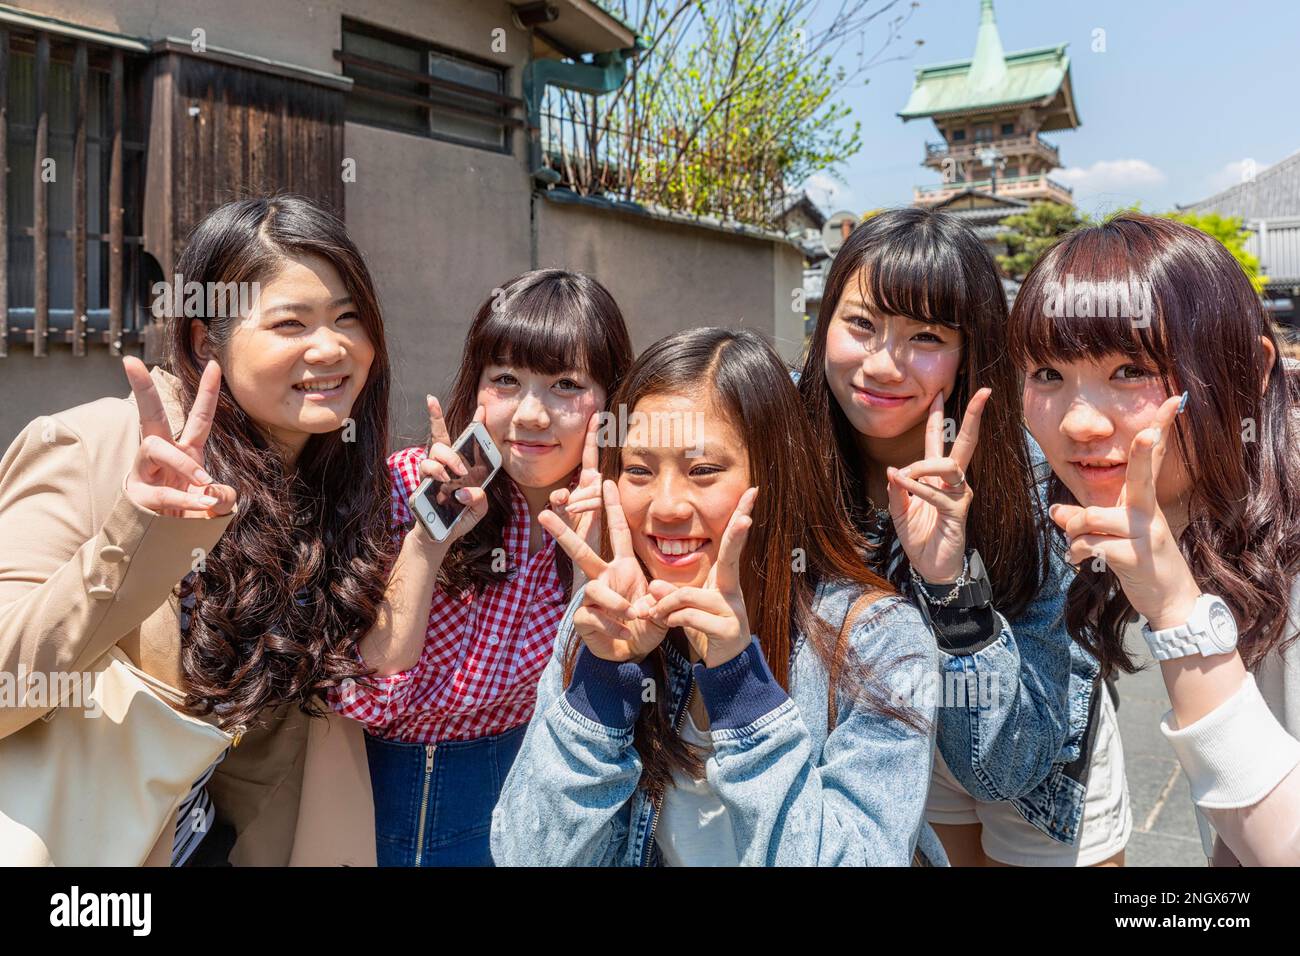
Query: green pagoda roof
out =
(992, 79)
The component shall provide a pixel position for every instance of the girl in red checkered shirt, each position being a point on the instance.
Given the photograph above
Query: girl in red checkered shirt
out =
(467, 624)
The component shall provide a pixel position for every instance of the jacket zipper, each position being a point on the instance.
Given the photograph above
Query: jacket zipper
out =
(424, 801)
(658, 806)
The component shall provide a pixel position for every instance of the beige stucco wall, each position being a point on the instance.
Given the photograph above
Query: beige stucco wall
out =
(668, 276)
(301, 32)
(441, 225)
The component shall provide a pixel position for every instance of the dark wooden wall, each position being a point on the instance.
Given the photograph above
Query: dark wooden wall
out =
(254, 133)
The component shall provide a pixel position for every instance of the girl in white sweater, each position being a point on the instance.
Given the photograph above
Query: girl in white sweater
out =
(1153, 386)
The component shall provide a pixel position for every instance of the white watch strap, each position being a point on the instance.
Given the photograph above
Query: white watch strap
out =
(1171, 644)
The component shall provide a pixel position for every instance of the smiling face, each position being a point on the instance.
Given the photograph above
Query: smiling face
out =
(1085, 415)
(679, 496)
(884, 370)
(297, 362)
(538, 421)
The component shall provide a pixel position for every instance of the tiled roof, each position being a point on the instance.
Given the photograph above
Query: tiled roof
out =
(991, 78)
(1273, 192)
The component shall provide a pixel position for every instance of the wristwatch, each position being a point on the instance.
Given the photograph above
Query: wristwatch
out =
(971, 589)
(1210, 630)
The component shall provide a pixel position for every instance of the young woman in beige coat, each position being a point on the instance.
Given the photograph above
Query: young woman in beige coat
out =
(227, 528)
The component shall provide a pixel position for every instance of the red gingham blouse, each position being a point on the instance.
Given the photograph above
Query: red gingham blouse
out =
(483, 654)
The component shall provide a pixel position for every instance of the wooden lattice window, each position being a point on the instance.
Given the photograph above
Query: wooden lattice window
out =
(72, 157)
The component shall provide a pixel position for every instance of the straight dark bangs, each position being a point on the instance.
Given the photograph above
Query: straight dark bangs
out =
(918, 275)
(546, 328)
(1087, 298)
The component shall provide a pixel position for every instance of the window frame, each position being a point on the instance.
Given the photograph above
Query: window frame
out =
(21, 322)
(427, 49)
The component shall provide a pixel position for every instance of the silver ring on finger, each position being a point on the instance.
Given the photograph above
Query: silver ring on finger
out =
(960, 482)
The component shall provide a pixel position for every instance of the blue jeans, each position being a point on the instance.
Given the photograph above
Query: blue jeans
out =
(433, 802)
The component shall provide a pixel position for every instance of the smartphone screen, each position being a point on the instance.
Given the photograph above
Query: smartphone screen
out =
(442, 494)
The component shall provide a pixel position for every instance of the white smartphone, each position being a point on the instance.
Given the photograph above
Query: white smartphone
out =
(434, 502)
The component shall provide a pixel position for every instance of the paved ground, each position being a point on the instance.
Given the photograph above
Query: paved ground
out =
(1164, 823)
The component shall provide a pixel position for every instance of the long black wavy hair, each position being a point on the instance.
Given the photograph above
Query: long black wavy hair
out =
(297, 578)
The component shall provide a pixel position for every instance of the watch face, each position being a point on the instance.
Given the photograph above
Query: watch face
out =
(1223, 628)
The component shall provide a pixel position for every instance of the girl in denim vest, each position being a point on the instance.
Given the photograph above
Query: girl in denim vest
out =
(910, 342)
(467, 624)
(1170, 429)
(707, 703)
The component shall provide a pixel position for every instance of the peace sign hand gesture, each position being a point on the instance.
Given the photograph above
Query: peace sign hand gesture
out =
(929, 499)
(611, 620)
(444, 465)
(1133, 539)
(580, 508)
(167, 475)
(713, 617)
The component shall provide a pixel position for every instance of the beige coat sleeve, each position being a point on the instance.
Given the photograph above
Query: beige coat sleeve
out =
(81, 565)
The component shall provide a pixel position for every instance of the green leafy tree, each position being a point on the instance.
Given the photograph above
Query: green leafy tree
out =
(1031, 233)
(1229, 231)
(731, 105)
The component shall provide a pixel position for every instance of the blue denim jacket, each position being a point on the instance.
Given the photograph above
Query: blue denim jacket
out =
(795, 795)
(1024, 744)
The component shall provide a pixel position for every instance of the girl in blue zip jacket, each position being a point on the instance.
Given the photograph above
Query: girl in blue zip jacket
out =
(732, 686)
(911, 340)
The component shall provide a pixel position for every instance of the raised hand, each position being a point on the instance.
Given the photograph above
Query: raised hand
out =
(611, 620)
(580, 508)
(1133, 539)
(167, 476)
(930, 499)
(443, 464)
(713, 617)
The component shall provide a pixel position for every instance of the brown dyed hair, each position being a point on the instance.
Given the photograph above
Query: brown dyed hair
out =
(738, 373)
(550, 321)
(296, 579)
(1242, 541)
(929, 267)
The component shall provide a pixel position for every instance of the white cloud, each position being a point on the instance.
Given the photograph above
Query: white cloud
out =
(828, 193)
(1110, 176)
(1235, 172)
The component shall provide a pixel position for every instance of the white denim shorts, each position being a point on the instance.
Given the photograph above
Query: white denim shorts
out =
(1009, 838)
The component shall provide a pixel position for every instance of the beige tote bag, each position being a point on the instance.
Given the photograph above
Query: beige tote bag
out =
(83, 788)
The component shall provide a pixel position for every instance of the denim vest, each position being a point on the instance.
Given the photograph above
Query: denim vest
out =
(1030, 742)
(796, 795)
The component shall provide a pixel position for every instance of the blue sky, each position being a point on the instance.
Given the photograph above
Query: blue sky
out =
(1185, 93)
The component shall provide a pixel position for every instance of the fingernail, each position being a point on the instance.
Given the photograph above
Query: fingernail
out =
(1182, 404)
(207, 501)
(1051, 511)
(204, 477)
(1157, 431)
(462, 495)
